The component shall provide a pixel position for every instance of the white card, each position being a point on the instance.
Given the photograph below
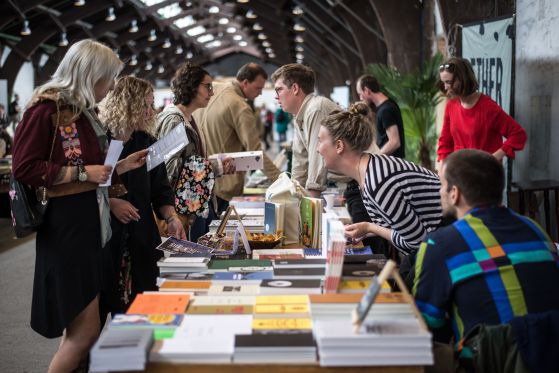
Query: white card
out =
(166, 147)
(113, 153)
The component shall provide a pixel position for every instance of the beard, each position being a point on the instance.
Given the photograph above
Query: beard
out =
(449, 212)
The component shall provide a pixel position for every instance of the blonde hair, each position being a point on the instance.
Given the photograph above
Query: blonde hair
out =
(354, 126)
(86, 63)
(124, 109)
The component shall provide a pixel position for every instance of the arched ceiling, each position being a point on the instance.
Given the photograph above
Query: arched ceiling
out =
(338, 38)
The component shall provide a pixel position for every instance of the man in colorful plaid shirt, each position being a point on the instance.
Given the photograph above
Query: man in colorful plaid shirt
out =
(492, 264)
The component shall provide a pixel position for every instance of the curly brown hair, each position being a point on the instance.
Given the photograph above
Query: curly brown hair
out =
(186, 81)
(125, 110)
(354, 126)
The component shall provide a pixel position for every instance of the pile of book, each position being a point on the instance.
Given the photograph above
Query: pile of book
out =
(378, 342)
(121, 350)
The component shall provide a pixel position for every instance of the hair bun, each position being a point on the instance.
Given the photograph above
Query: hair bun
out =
(359, 108)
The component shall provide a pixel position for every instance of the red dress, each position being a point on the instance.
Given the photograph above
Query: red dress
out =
(481, 127)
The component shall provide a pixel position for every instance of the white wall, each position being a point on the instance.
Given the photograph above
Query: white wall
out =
(25, 81)
(537, 88)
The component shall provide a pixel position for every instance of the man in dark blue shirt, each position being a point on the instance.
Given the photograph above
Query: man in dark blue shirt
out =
(492, 264)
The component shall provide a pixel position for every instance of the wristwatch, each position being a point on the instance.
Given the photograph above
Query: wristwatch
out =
(82, 173)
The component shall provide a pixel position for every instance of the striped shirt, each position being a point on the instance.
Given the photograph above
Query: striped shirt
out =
(404, 197)
(487, 268)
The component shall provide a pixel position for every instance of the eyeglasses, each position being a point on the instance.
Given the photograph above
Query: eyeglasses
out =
(446, 66)
(209, 86)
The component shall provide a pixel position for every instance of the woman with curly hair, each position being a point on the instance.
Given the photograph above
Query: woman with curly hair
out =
(192, 87)
(129, 114)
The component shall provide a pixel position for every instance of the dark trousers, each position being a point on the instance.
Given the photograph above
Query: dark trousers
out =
(359, 213)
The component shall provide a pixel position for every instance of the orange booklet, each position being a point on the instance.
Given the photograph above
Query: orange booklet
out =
(159, 304)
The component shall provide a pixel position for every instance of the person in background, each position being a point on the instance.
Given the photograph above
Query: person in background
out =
(268, 126)
(473, 120)
(282, 122)
(390, 127)
(4, 119)
(294, 86)
(72, 265)
(192, 88)
(402, 198)
(129, 114)
(14, 112)
(230, 125)
(6, 141)
(492, 264)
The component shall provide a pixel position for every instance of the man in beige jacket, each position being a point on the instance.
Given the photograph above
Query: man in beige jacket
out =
(230, 125)
(294, 85)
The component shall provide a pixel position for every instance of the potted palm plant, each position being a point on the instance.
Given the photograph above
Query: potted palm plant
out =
(417, 95)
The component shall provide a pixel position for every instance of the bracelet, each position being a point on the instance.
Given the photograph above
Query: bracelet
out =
(168, 219)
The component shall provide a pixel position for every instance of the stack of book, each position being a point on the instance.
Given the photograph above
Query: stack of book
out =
(203, 339)
(121, 350)
(290, 348)
(180, 263)
(378, 342)
(335, 255)
(274, 313)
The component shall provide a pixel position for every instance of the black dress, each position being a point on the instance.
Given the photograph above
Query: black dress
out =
(147, 191)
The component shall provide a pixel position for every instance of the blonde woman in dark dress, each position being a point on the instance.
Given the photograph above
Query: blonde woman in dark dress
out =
(72, 256)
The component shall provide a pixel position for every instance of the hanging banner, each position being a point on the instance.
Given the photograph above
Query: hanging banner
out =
(488, 46)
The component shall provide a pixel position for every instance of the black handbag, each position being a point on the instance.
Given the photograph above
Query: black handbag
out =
(28, 207)
(28, 204)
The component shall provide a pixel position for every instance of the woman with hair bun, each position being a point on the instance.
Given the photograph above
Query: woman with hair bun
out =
(401, 197)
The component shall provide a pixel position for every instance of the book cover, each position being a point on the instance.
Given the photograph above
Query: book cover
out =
(224, 265)
(365, 250)
(154, 303)
(291, 286)
(184, 285)
(238, 309)
(299, 273)
(138, 321)
(282, 299)
(310, 252)
(240, 276)
(278, 254)
(272, 339)
(280, 310)
(241, 289)
(270, 218)
(282, 324)
(306, 211)
(184, 248)
(299, 263)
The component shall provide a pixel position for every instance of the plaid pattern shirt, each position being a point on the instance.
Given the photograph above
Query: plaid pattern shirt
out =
(489, 267)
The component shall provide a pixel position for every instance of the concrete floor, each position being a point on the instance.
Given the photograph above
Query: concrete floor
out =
(21, 349)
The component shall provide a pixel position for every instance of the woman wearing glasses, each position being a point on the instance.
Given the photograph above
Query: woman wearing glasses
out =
(472, 119)
(192, 88)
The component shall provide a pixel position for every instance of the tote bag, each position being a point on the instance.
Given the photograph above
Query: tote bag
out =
(289, 193)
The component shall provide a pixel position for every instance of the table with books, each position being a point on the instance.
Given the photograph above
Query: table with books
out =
(295, 309)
